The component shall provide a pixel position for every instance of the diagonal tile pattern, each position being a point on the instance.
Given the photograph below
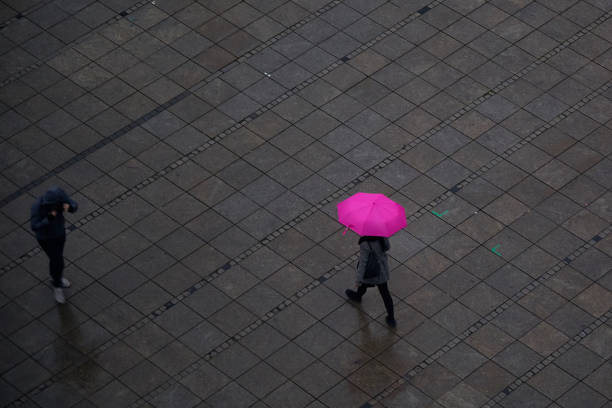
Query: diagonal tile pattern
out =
(208, 143)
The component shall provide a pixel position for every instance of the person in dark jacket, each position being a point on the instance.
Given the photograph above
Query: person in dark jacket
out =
(47, 221)
(378, 247)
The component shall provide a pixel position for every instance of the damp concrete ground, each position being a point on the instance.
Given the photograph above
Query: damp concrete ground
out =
(208, 143)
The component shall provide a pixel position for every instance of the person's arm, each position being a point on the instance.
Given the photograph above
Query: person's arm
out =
(69, 204)
(364, 252)
(38, 221)
(386, 244)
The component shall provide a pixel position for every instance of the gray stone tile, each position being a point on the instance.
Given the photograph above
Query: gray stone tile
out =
(585, 225)
(597, 172)
(428, 228)
(261, 379)
(497, 108)
(490, 75)
(448, 173)
(552, 381)
(498, 139)
(148, 297)
(473, 156)
(368, 122)
(456, 318)
(143, 378)
(428, 300)
(115, 393)
(526, 394)
(465, 60)
(175, 394)
(569, 319)
(558, 208)
(598, 340)
(317, 124)
(580, 395)
(442, 105)
(203, 389)
(560, 243)
(544, 339)
(546, 107)
(489, 379)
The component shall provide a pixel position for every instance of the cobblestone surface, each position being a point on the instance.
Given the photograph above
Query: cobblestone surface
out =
(208, 143)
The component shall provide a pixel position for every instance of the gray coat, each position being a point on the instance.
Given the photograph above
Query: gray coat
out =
(380, 246)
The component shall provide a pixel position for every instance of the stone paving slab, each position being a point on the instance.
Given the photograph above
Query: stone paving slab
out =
(208, 144)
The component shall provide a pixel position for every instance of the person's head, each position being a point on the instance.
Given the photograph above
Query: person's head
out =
(51, 201)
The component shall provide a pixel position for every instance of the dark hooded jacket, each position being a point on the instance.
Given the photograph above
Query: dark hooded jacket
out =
(45, 225)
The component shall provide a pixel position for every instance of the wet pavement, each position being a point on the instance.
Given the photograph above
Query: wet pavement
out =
(208, 144)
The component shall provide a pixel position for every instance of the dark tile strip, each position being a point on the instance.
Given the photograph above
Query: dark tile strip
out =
(192, 290)
(480, 172)
(160, 108)
(424, 364)
(186, 158)
(316, 283)
(488, 318)
(391, 157)
(21, 15)
(346, 263)
(146, 117)
(599, 235)
(492, 403)
(242, 256)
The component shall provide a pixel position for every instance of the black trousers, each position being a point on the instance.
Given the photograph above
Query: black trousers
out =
(384, 292)
(54, 248)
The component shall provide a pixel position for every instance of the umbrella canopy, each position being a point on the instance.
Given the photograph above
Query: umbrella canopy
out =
(372, 215)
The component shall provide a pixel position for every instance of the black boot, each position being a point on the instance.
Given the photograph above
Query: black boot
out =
(352, 295)
(391, 321)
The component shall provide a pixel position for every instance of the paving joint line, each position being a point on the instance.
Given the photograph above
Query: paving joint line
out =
(246, 330)
(508, 152)
(564, 348)
(186, 157)
(40, 62)
(301, 216)
(105, 141)
(333, 271)
(33, 252)
(269, 238)
(212, 276)
(483, 321)
(161, 107)
(413, 217)
(23, 14)
(316, 282)
(125, 13)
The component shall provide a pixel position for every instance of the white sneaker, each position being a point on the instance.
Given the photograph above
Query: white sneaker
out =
(59, 295)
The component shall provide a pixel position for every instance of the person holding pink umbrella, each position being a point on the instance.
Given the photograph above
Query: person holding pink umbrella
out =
(375, 217)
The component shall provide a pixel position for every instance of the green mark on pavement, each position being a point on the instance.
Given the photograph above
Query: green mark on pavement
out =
(440, 215)
(494, 250)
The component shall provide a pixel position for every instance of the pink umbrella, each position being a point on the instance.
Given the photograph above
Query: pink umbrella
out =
(372, 215)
